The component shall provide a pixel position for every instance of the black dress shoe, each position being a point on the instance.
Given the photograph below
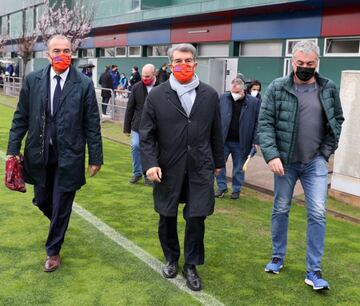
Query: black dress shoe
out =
(170, 270)
(135, 179)
(235, 195)
(193, 280)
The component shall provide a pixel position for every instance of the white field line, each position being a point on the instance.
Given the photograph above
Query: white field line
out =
(141, 254)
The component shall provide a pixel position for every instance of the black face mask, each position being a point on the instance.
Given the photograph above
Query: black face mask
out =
(304, 73)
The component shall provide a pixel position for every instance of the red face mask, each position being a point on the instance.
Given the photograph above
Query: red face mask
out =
(147, 82)
(61, 62)
(183, 72)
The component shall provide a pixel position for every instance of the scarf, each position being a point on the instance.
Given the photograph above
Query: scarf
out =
(183, 90)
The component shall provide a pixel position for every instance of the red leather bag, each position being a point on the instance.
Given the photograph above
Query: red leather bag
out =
(14, 178)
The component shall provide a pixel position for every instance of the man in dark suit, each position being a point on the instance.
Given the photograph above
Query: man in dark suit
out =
(181, 149)
(106, 83)
(133, 114)
(239, 114)
(58, 111)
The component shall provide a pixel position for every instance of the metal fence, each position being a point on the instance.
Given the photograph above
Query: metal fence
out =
(11, 85)
(116, 107)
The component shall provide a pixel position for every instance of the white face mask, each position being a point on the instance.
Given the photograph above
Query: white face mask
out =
(236, 96)
(254, 93)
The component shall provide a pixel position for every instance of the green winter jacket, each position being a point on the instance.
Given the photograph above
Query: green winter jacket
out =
(278, 118)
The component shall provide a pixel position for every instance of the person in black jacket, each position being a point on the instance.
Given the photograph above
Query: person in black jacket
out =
(134, 78)
(181, 150)
(239, 114)
(133, 114)
(106, 82)
(58, 111)
(163, 74)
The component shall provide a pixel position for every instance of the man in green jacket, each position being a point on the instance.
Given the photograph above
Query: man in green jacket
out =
(299, 128)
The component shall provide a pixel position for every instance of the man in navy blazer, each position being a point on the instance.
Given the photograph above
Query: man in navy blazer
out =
(239, 113)
(58, 111)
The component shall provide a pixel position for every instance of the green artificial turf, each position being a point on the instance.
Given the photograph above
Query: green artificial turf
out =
(96, 271)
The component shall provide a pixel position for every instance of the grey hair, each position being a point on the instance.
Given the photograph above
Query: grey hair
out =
(182, 48)
(57, 36)
(306, 46)
(238, 81)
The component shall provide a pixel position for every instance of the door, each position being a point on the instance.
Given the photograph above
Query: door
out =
(217, 74)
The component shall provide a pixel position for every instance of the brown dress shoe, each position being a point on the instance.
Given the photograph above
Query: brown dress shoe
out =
(52, 263)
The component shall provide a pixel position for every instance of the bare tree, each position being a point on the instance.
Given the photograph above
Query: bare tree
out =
(74, 23)
(26, 45)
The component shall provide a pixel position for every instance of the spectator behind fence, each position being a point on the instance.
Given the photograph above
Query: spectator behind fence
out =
(132, 119)
(115, 75)
(239, 114)
(254, 89)
(106, 83)
(299, 128)
(181, 149)
(123, 84)
(58, 112)
(135, 77)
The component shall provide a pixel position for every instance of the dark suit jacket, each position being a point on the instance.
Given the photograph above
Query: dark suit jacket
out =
(247, 122)
(135, 107)
(187, 149)
(106, 81)
(77, 124)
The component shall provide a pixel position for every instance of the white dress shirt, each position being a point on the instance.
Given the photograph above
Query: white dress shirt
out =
(53, 83)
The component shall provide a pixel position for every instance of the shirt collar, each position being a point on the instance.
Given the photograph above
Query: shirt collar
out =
(62, 75)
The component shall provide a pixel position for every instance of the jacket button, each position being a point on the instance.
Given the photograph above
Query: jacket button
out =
(189, 147)
(189, 121)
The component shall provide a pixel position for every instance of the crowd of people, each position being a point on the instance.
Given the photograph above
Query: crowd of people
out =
(182, 133)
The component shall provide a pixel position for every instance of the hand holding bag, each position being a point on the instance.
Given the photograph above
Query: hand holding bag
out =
(14, 179)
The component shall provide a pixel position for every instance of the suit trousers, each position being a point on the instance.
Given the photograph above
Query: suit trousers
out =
(194, 239)
(56, 206)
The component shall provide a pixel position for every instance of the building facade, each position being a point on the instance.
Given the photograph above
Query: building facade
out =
(254, 37)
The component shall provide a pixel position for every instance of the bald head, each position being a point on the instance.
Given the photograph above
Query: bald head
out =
(148, 69)
(148, 74)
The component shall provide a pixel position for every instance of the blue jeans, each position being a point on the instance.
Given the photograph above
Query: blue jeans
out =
(135, 153)
(233, 148)
(314, 179)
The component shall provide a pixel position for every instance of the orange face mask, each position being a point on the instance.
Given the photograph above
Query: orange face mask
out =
(61, 62)
(183, 72)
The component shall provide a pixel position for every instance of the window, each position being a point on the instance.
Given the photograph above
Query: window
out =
(160, 50)
(134, 51)
(120, 51)
(290, 43)
(88, 53)
(109, 52)
(75, 54)
(349, 46)
(260, 48)
(106, 52)
(135, 4)
(213, 50)
(40, 54)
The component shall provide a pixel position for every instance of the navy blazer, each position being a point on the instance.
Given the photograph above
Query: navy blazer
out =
(247, 122)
